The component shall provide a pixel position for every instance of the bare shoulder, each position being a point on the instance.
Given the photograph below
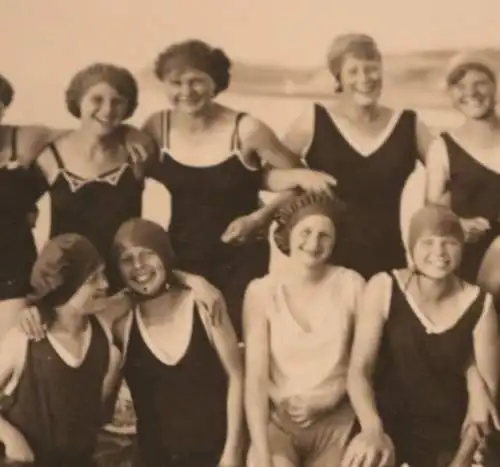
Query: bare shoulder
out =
(13, 342)
(257, 296)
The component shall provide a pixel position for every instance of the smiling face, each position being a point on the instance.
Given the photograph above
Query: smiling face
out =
(102, 108)
(189, 90)
(361, 79)
(142, 270)
(474, 94)
(312, 240)
(437, 256)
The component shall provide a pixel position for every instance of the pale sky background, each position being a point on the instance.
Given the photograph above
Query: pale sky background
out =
(45, 41)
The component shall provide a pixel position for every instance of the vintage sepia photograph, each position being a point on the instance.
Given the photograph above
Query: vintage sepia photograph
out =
(249, 233)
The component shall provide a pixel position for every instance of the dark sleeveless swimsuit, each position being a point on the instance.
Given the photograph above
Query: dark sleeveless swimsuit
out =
(57, 407)
(372, 188)
(20, 188)
(205, 200)
(96, 208)
(475, 192)
(420, 381)
(181, 408)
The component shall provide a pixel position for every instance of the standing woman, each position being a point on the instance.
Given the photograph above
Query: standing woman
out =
(95, 180)
(20, 186)
(212, 160)
(464, 165)
(419, 329)
(370, 149)
(298, 331)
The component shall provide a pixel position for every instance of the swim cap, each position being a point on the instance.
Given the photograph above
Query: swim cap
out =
(302, 206)
(63, 266)
(435, 220)
(359, 45)
(146, 234)
(460, 63)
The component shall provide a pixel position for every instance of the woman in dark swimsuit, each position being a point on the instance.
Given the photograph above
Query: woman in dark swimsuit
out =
(95, 176)
(20, 186)
(464, 166)
(211, 161)
(418, 330)
(370, 149)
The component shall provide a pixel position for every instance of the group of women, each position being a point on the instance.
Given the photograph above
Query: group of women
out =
(363, 352)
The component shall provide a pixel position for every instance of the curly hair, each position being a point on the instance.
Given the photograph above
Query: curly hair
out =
(119, 78)
(299, 207)
(6, 91)
(198, 55)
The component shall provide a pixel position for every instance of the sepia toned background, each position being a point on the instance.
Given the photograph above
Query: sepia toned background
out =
(278, 49)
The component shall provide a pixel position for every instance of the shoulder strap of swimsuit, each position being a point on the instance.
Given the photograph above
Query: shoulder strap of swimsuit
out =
(165, 129)
(235, 137)
(14, 144)
(57, 155)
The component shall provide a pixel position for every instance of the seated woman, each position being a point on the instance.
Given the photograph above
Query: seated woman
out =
(58, 384)
(298, 329)
(417, 332)
(184, 373)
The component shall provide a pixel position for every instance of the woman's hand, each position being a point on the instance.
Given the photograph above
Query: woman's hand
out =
(474, 228)
(17, 448)
(311, 180)
(370, 448)
(31, 323)
(243, 229)
(208, 297)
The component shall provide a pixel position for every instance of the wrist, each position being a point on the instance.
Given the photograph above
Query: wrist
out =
(372, 425)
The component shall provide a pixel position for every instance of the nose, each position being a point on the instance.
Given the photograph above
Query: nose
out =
(106, 109)
(312, 242)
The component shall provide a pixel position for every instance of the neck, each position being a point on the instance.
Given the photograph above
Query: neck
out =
(199, 121)
(69, 322)
(307, 276)
(483, 127)
(161, 305)
(365, 113)
(94, 142)
(434, 290)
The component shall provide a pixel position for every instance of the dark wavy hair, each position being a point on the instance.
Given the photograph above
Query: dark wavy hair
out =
(6, 91)
(119, 78)
(199, 55)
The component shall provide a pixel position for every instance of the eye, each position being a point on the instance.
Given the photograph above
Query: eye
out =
(97, 100)
(305, 232)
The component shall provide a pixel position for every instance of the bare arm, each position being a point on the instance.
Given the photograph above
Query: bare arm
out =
(437, 173)
(486, 347)
(12, 356)
(258, 137)
(367, 339)
(226, 344)
(257, 357)
(424, 139)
